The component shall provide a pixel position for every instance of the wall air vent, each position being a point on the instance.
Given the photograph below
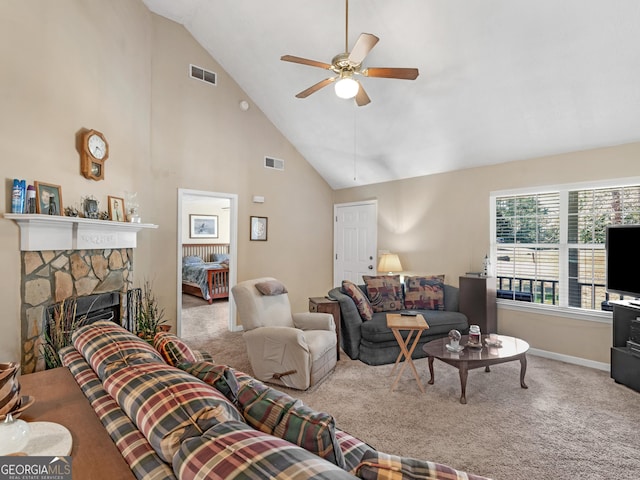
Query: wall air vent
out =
(201, 74)
(274, 163)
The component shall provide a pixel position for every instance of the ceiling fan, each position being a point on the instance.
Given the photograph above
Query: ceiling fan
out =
(349, 64)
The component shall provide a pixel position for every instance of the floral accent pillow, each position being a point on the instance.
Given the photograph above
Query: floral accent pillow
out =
(384, 292)
(359, 298)
(424, 293)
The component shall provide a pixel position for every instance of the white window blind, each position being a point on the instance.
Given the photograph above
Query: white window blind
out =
(549, 248)
(527, 247)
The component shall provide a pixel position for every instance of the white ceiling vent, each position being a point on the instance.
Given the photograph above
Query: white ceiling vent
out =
(275, 163)
(201, 74)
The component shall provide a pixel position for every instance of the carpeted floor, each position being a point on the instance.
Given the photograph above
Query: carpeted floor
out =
(573, 422)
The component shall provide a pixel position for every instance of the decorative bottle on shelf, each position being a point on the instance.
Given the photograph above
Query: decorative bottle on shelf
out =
(31, 199)
(474, 334)
(17, 196)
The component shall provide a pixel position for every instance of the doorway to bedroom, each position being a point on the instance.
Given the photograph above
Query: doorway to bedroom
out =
(207, 247)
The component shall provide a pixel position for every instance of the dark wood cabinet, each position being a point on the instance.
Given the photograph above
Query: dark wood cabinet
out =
(326, 305)
(478, 302)
(625, 365)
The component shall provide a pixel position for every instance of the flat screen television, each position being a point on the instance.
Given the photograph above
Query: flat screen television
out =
(623, 260)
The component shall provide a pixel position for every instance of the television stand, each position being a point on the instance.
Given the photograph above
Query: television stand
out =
(625, 367)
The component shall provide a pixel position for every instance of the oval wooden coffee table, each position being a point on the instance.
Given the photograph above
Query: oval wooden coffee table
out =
(512, 349)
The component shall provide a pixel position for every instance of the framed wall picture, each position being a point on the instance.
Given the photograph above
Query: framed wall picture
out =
(203, 226)
(258, 230)
(48, 199)
(116, 209)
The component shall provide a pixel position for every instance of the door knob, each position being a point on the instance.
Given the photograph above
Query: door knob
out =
(370, 267)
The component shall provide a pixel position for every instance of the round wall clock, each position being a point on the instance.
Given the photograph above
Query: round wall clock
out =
(95, 150)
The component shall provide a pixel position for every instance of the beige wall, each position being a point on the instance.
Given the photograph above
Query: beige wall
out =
(115, 67)
(440, 224)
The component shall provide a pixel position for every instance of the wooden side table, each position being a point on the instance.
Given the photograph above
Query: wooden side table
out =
(326, 305)
(478, 302)
(59, 399)
(415, 325)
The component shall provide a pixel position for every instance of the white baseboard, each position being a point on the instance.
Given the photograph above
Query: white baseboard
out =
(569, 359)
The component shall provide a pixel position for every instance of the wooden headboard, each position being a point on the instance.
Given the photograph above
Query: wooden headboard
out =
(204, 250)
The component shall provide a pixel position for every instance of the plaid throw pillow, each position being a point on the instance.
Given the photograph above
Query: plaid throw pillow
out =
(168, 405)
(235, 450)
(361, 301)
(424, 293)
(276, 413)
(107, 347)
(223, 378)
(173, 349)
(353, 450)
(384, 292)
(381, 466)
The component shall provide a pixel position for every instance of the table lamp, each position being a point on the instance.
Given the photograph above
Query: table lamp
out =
(389, 262)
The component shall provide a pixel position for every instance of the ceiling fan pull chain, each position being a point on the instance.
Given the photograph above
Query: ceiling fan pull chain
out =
(355, 145)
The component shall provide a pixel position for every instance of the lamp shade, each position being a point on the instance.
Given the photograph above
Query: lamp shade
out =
(389, 262)
(346, 87)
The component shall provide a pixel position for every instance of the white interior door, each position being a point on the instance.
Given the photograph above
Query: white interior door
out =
(355, 241)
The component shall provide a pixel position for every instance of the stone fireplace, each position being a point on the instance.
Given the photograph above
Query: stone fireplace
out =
(69, 257)
(51, 276)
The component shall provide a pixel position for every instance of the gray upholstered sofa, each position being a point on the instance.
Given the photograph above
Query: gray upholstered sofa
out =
(373, 342)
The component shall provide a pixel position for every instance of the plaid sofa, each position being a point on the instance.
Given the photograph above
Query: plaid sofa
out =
(175, 414)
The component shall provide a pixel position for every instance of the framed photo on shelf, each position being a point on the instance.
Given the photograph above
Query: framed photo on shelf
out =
(90, 207)
(203, 226)
(258, 230)
(116, 209)
(48, 199)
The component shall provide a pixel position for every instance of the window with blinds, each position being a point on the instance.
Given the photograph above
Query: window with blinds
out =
(549, 248)
(590, 211)
(528, 247)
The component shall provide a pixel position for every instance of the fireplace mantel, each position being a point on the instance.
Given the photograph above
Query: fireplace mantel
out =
(50, 232)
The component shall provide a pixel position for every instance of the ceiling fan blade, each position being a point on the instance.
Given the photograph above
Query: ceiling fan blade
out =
(400, 73)
(305, 61)
(361, 97)
(316, 87)
(363, 46)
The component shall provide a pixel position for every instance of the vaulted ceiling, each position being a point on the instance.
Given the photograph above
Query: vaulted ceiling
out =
(500, 80)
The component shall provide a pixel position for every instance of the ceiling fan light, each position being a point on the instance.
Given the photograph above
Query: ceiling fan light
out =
(346, 87)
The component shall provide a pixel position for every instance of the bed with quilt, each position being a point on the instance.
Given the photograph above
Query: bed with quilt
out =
(206, 279)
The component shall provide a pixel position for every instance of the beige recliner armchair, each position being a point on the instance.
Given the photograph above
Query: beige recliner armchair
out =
(295, 350)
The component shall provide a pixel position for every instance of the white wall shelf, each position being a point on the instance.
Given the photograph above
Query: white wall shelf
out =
(51, 232)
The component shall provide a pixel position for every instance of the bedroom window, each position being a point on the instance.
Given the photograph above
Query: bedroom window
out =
(548, 246)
